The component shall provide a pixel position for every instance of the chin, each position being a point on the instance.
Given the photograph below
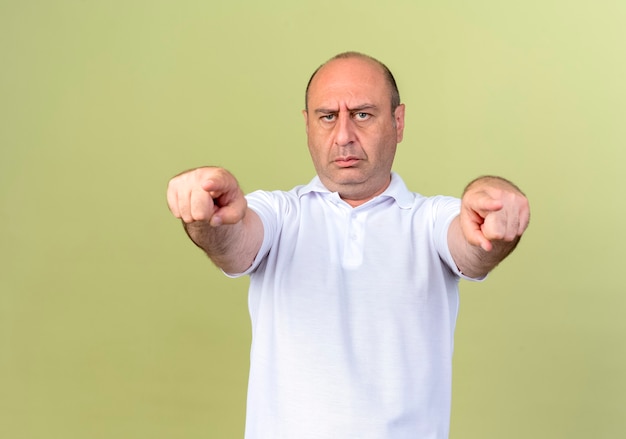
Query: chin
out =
(349, 178)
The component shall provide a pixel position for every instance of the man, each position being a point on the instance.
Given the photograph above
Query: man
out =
(353, 279)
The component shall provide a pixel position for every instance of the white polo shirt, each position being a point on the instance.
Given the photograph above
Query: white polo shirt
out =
(353, 313)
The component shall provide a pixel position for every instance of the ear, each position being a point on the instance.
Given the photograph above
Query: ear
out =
(398, 116)
(306, 120)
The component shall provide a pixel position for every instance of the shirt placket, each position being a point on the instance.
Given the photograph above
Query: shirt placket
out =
(355, 239)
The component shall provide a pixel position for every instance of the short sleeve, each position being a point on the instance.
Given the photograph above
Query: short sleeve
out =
(445, 209)
(263, 204)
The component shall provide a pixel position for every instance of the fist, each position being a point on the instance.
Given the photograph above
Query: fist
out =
(207, 194)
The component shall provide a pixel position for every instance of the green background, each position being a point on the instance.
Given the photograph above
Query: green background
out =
(112, 325)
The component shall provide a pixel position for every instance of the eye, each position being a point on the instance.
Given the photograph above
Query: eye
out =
(328, 117)
(361, 115)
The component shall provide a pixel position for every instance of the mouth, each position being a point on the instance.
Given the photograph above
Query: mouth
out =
(346, 162)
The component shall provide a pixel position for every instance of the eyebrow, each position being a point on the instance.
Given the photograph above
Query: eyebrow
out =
(351, 110)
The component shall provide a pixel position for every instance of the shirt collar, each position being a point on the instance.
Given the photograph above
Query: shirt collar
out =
(396, 190)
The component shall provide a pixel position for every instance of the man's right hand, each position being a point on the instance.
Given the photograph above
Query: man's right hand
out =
(207, 194)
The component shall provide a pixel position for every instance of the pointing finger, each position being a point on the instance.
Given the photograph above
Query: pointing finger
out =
(230, 213)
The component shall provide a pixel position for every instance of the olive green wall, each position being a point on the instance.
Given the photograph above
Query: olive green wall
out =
(112, 325)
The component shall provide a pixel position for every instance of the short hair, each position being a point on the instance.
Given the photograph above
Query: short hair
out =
(391, 81)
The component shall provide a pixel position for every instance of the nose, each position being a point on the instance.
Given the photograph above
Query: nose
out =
(344, 130)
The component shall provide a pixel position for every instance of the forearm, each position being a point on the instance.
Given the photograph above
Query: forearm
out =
(232, 247)
(473, 261)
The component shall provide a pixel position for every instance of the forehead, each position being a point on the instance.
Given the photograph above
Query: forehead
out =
(349, 81)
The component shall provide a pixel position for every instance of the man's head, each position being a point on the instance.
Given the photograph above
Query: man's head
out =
(354, 121)
(394, 93)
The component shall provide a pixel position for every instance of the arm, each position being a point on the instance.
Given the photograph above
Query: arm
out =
(216, 216)
(494, 215)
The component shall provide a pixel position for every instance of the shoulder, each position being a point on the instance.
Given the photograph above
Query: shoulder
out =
(274, 198)
(289, 199)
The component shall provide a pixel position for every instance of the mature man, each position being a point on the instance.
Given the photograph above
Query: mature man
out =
(353, 278)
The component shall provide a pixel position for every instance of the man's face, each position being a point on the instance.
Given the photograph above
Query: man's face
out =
(352, 133)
